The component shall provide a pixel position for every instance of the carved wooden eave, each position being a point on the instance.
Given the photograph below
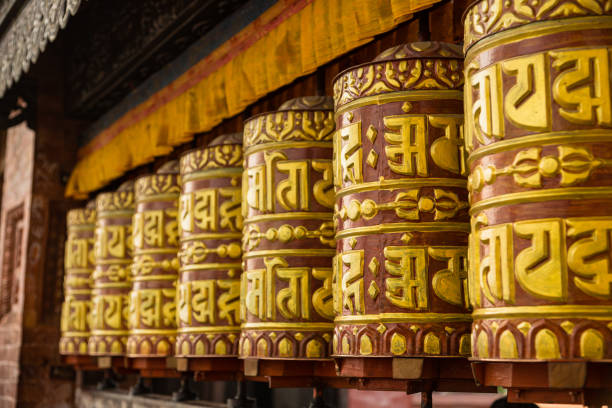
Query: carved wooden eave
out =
(26, 36)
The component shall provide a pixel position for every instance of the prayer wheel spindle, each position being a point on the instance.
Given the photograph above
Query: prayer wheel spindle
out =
(400, 274)
(152, 313)
(79, 265)
(288, 238)
(111, 276)
(210, 221)
(539, 138)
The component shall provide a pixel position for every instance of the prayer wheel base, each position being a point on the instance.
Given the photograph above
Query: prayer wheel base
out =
(293, 373)
(556, 382)
(410, 375)
(81, 363)
(154, 367)
(211, 368)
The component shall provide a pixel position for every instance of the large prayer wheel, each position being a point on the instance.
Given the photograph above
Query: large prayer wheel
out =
(78, 267)
(211, 223)
(111, 276)
(539, 138)
(400, 275)
(152, 313)
(288, 235)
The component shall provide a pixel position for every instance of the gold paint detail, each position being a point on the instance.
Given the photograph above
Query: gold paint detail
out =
(373, 290)
(287, 233)
(546, 345)
(567, 326)
(365, 345)
(572, 164)
(408, 205)
(398, 344)
(482, 345)
(289, 125)
(507, 345)
(394, 184)
(431, 344)
(402, 227)
(592, 345)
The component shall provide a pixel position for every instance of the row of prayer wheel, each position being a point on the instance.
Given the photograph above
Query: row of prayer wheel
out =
(378, 224)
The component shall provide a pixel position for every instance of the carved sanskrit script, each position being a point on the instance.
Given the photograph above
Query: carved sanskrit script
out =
(542, 268)
(152, 308)
(78, 253)
(518, 92)
(154, 229)
(109, 312)
(209, 301)
(407, 147)
(282, 183)
(293, 301)
(211, 209)
(113, 241)
(407, 282)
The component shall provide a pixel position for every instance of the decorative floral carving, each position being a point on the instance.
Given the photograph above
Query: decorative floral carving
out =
(117, 201)
(81, 216)
(212, 157)
(490, 16)
(36, 25)
(157, 184)
(426, 67)
(292, 125)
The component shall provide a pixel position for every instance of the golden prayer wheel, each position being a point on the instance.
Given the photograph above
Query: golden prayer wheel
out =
(111, 276)
(288, 240)
(152, 307)
(539, 139)
(211, 224)
(78, 266)
(400, 275)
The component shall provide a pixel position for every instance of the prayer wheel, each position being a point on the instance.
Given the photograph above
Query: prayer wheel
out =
(211, 223)
(288, 240)
(539, 138)
(152, 307)
(400, 274)
(78, 266)
(111, 276)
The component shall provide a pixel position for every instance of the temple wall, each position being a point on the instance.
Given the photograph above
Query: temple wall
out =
(19, 167)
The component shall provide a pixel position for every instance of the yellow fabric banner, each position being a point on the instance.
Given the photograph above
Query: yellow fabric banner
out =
(289, 40)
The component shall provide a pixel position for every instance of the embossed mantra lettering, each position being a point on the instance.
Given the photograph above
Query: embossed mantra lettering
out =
(556, 248)
(291, 190)
(406, 139)
(518, 92)
(211, 209)
(407, 287)
(292, 302)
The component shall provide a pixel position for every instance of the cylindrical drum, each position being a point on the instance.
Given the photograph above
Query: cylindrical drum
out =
(78, 266)
(211, 223)
(400, 274)
(152, 310)
(111, 276)
(539, 138)
(288, 237)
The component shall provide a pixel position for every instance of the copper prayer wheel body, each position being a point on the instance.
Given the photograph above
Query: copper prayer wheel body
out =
(152, 307)
(211, 223)
(78, 267)
(111, 276)
(288, 238)
(539, 137)
(400, 274)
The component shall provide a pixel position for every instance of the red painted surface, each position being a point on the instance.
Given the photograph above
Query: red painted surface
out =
(373, 399)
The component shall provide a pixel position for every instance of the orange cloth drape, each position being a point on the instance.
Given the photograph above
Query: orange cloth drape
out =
(289, 40)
